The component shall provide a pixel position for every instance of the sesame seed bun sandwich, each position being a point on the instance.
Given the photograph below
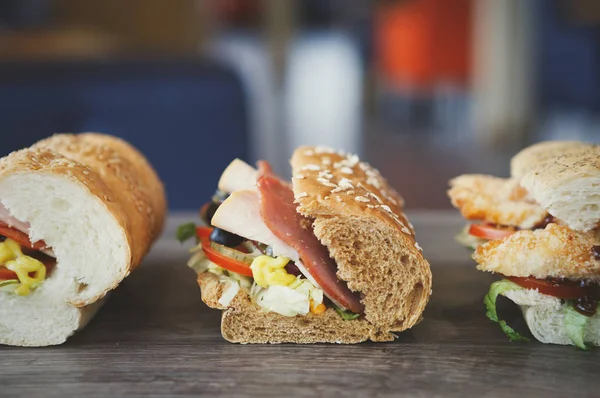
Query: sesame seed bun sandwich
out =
(539, 230)
(329, 258)
(77, 215)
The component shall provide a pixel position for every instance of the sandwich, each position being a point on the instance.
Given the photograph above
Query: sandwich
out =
(538, 229)
(329, 258)
(77, 215)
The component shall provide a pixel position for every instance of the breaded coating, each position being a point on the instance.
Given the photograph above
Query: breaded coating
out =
(556, 251)
(495, 200)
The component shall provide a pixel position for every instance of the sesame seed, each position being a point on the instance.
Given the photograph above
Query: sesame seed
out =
(301, 195)
(346, 170)
(361, 199)
(309, 153)
(345, 183)
(312, 167)
(419, 248)
(374, 182)
(339, 199)
(325, 174)
(386, 208)
(326, 161)
(325, 182)
(371, 194)
(300, 177)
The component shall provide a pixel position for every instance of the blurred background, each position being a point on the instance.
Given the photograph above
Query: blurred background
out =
(422, 89)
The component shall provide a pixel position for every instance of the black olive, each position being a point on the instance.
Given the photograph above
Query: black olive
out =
(225, 238)
(208, 214)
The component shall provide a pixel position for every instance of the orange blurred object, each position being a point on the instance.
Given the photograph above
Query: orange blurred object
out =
(423, 42)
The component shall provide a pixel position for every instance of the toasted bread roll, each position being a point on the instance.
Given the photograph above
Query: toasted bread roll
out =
(98, 204)
(567, 186)
(495, 200)
(556, 251)
(359, 218)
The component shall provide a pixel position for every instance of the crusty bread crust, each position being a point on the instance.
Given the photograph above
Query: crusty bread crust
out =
(524, 161)
(556, 251)
(129, 187)
(245, 322)
(495, 200)
(359, 218)
(567, 185)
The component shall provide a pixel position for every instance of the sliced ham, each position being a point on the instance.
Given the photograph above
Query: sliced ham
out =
(278, 212)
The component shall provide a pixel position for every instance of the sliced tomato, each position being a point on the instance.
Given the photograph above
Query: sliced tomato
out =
(568, 290)
(203, 232)
(6, 274)
(221, 260)
(20, 237)
(489, 232)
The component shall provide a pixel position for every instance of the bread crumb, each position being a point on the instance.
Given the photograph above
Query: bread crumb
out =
(338, 198)
(419, 248)
(301, 195)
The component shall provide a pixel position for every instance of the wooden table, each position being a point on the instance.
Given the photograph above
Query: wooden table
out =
(155, 337)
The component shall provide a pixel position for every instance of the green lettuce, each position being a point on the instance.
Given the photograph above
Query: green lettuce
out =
(500, 287)
(346, 315)
(186, 231)
(575, 325)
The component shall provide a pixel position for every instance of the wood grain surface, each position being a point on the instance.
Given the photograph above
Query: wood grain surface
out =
(154, 337)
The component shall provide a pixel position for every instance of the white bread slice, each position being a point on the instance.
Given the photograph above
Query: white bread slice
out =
(566, 184)
(97, 215)
(545, 318)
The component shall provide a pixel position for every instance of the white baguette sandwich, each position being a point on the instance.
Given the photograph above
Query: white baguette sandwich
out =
(77, 214)
(329, 259)
(539, 229)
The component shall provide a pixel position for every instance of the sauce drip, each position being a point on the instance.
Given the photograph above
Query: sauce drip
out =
(549, 219)
(586, 306)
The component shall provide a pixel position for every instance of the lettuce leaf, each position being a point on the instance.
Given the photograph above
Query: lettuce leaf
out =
(346, 315)
(186, 231)
(575, 325)
(500, 287)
